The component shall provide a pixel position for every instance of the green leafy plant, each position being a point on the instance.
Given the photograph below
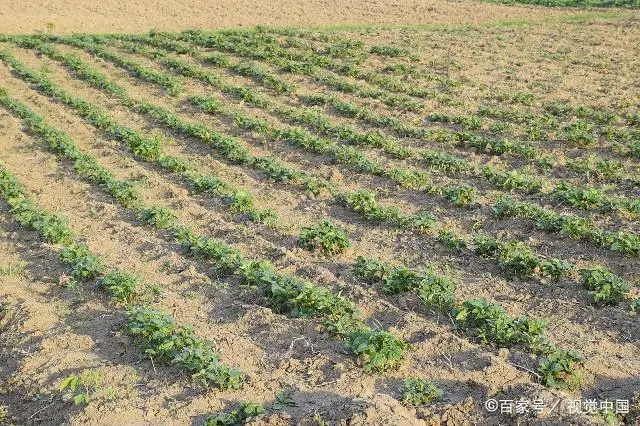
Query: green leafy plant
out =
(437, 290)
(235, 417)
(556, 268)
(517, 259)
(418, 392)
(365, 204)
(491, 323)
(421, 221)
(84, 264)
(121, 285)
(376, 350)
(604, 285)
(461, 195)
(162, 339)
(371, 269)
(557, 369)
(390, 51)
(451, 240)
(157, 216)
(282, 400)
(326, 237)
(81, 385)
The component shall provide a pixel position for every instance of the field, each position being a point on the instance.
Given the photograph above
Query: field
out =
(297, 224)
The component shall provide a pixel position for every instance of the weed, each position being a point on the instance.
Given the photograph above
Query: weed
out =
(11, 270)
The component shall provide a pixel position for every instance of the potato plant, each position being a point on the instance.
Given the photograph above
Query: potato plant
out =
(409, 179)
(161, 338)
(148, 149)
(605, 286)
(325, 237)
(157, 333)
(237, 416)
(417, 392)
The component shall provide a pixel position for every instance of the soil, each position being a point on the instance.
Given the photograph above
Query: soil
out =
(49, 331)
(139, 15)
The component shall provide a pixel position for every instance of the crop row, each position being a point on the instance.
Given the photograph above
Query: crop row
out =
(576, 196)
(323, 78)
(605, 168)
(625, 242)
(573, 132)
(568, 224)
(489, 322)
(355, 52)
(576, 134)
(154, 331)
(267, 48)
(362, 203)
(577, 131)
(286, 294)
(461, 195)
(144, 148)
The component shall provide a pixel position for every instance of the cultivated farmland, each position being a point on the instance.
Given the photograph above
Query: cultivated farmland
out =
(363, 225)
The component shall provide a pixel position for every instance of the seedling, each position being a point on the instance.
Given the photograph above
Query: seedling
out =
(82, 385)
(235, 417)
(377, 350)
(461, 195)
(418, 392)
(282, 400)
(451, 240)
(604, 285)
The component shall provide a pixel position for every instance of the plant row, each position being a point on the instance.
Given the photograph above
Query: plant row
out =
(518, 259)
(489, 322)
(592, 164)
(247, 68)
(265, 47)
(154, 331)
(286, 294)
(460, 195)
(574, 132)
(144, 148)
(363, 203)
(576, 196)
(609, 169)
(626, 242)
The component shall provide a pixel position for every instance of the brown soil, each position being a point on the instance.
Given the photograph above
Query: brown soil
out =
(140, 15)
(49, 331)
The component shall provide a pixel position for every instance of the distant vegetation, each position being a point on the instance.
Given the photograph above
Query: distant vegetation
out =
(627, 4)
